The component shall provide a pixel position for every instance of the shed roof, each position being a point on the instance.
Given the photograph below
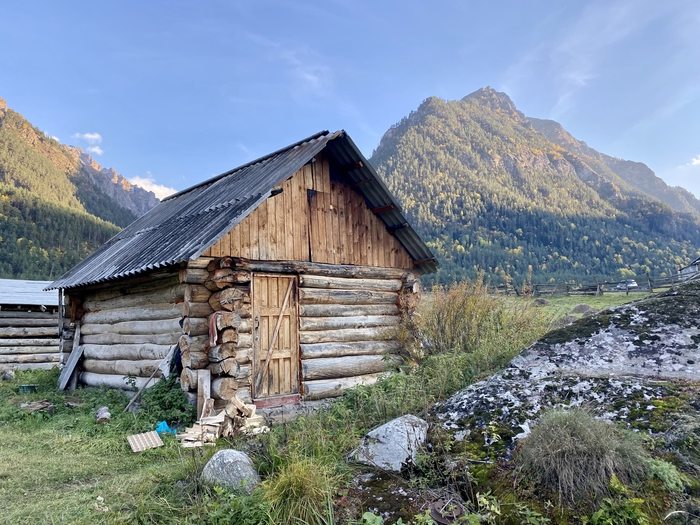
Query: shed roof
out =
(184, 225)
(26, 293)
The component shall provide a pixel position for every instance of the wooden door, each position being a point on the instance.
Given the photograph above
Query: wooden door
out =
(275, 336)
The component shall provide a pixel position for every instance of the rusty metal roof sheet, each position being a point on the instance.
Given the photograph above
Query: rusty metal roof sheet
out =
(184, 225)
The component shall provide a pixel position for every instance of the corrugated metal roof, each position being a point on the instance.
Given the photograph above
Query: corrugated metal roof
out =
(184, 225)
(26, 293)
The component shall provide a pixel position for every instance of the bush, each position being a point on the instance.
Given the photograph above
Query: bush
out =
(302, 492)
(165, 401)
(575, 456)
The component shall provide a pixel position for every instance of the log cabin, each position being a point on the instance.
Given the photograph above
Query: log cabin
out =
(29, 325)
(284, 278)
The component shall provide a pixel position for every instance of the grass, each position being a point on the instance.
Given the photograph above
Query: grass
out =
(63, 468)
(561, 306)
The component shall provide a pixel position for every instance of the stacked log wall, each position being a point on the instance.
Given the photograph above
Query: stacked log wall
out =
(127, 330)
(29, 339)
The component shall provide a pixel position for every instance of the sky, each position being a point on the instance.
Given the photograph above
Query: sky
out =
(170, 93)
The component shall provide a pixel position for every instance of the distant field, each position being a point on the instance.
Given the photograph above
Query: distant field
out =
(561, 306)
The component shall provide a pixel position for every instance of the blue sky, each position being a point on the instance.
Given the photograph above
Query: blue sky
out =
(176, 92)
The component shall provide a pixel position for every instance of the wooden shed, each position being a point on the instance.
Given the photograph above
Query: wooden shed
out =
(29, 325)
(283, 277)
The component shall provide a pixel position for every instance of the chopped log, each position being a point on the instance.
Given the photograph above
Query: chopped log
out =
(193, 275)
(230, 335)
(12, 350)
(170, 294)
(321, 350)
(38, 331)
(223, 387)
(24, 321)
(222, 351)
(319, 296)
(133, 327)
(243, 372)
(115, 381)
(195, 360)
(227, 275)
(140, 368)
(224, 262)
(192, 309)
(346, 310)
(244, 355)
(151, 312)
(200, 262)
(243, 395)
(229, 299)
(245, 341)
(197, 343)
(237, 406)
(378, 285)
(349, 335)
(129, 352)
(203, 390)
(330, 270)
(334, 323)
(195, 326)
(225, 367)
(350, 366)
(118, 339)
(29, 342)
(30, 358)
(188, 379)
(326, 388)
(27, 315)
(197, 293)
(227, 320)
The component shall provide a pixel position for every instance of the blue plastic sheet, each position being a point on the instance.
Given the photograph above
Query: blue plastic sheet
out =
(163, 427)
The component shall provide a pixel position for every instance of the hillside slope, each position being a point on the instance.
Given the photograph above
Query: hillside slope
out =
(57, 205)
(489, 192)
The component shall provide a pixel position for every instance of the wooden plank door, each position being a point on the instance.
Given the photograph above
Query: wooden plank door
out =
(275, 328)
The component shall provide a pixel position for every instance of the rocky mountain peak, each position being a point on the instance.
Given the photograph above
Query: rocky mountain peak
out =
(496, 101)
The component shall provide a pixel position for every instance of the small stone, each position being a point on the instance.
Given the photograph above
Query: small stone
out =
(231, 469)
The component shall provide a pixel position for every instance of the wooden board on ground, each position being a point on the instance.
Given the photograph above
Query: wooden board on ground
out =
(75, 356)
(141, 442)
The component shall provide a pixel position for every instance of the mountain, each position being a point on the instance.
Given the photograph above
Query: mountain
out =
(492, 190)
(57, 204)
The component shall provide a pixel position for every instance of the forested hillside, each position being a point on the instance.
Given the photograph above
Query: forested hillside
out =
(56, 204)
(489, 192)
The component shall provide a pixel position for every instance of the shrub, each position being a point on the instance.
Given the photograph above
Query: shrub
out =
(665, 472)
(165, 401)
(574, 455)
(302, 492)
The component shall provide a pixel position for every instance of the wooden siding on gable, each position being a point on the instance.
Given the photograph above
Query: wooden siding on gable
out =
(329, 224)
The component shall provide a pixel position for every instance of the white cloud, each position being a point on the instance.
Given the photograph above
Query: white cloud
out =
(695, 161)
(95, 149)
(149, 184)
(91, 138)
(54, 137)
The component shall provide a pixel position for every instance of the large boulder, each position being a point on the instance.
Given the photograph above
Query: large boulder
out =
(393, 444)
(231, 469)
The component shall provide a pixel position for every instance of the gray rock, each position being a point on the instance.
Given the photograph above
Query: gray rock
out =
(393, 444)
(582, 308)
(8, 375)
(541, 302)
(231, 469)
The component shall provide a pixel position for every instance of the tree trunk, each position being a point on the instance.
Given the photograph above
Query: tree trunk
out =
(133, 327)
(191, 309)
(29, 358)
(350, 366)
(200, 262)
(334, 323)
(24, 321)
(121, 339)
(227, 320)
(320, 350)
(223, 387)
(151, 312)
(230, 299)
(140, 368)
(222, 351)
(29, 342)
(377, 285)
(195, 326)
(195, 360)
(197, 293)
(193, 275)
(318, 296)
(335, 387)
(29, 332)
(14, 350)
(225, 367)
(349, 310)
(197, 343)
(132, 352)
(349, 335)
(115, 381)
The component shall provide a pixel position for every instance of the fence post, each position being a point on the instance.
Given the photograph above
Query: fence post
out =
(651, 289)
